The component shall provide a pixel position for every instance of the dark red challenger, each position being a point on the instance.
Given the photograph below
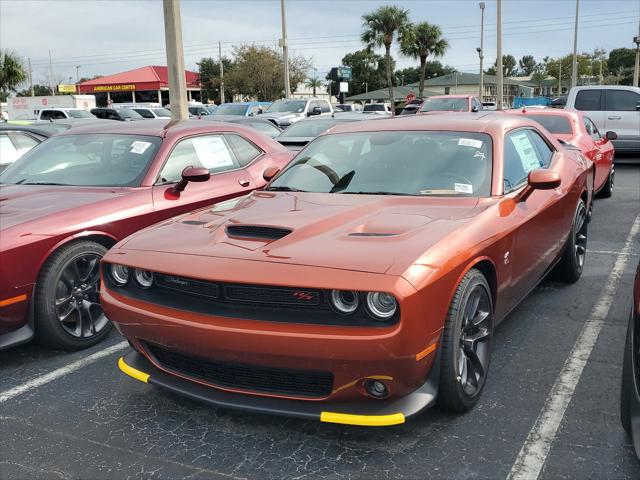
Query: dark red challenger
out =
(63, 204)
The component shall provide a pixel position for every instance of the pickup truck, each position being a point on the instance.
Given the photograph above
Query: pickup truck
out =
(612, 108)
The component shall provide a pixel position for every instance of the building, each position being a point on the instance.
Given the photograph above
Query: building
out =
(141, 85)
(550, 86)
(461, 83)
(382, 94)
(304, 91)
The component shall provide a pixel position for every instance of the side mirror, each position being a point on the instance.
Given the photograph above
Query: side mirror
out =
(315, 111)
(540, 179)
(474, 108)
(637, 105)
(611, 135)
(269, 173)
(192, 174)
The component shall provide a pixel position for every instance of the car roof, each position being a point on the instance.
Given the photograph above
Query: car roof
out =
(42, 131)
(558, 112)
(449, 96)
(490, 122)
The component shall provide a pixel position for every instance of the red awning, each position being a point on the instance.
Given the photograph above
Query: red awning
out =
(145, 78)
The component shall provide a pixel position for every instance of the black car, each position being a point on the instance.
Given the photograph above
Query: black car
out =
(300, 133)
(630, 393)
(262, 125)
(120, 114)
(559, 102)
(16, 140)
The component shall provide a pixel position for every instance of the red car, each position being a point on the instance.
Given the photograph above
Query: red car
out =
(451, 103)
(66, 202)
(577, 129)
(630, 392)
(364, 282)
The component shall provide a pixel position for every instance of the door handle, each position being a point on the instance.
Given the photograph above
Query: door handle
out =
(244, 183)
(614, 118)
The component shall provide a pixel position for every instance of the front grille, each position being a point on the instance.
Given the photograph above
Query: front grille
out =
(297, 383)
(273, 295)
(257, 232)
(187, 285)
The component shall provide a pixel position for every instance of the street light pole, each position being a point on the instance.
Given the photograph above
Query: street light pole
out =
(53, 88)
(481, 50)
(285, 51)
(574, 66)
(636, 68)
(175, 59)
(221, 73)
(499, 86)
(31, 79)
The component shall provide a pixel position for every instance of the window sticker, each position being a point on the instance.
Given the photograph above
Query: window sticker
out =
(525, 150)
(139, 147)
(463, 188)
(470, 142)
(480, 154)
(212, 152)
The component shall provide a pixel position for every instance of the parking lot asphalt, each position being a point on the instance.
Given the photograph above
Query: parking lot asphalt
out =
(94, 422)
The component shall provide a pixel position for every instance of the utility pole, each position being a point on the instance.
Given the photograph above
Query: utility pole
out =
(221, 73)
(636, 68)
(31, 78)
(560, 77)
(53, 90)
(481, 50)
(285, 51)
(499, 86)
(574, 66)
(175, 59)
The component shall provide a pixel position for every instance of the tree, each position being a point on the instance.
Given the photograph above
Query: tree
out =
(561, 68)
(408, 75)
(527, 65)
(367, 72)
(620, 63)
(380, 28)
(508, 66)
(313, 83)
(209, 70)
(38, 91)
(424, 40)
(12, 72)
(257, 72)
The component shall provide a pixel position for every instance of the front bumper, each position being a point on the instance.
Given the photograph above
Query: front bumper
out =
(370, 413)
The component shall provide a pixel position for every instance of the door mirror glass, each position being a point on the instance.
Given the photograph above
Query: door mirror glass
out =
(611, 135)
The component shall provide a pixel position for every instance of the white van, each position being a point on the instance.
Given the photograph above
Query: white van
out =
(611, 107)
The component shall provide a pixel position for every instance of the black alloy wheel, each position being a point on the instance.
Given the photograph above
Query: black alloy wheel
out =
(569, 268)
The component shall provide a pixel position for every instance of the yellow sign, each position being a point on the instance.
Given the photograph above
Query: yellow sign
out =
(67, 88)
(114, 88)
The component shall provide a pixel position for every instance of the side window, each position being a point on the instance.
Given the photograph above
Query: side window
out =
(208, 151)
(520, 157)
(591, 129)
(8, 152)
(111, 115)
(544, 151)
(621, 100)
(244, 150)
(588, 100)
(23, 142)
(144, 112)
(254, 110)
(46, 115)
(58, 115)
(325, 106)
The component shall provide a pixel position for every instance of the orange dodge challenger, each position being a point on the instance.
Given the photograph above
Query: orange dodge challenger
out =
(364, 283)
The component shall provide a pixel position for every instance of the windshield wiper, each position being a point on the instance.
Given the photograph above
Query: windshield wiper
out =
(283, 188)
(43, 183)
(376, 193)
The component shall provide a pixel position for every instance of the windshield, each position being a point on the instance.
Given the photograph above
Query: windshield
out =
(85, 160)
(294, 106)
(230, 109)
(554, 123)
(445, 104)
(396, 162)
(128, 113)
(375, 107)
(264, 126)
(309, 128)
(79, 114)
(161, 112)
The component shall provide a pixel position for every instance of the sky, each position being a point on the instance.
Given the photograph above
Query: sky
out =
(111, 36)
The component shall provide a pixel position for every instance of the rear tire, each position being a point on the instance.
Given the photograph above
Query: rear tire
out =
(68, 315)
(465, 353)
(570, 267)
(627, 381)
(607, 189)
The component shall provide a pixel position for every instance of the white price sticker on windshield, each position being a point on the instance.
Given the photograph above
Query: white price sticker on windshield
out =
(463, 188)
(139, 147)
(470, 142)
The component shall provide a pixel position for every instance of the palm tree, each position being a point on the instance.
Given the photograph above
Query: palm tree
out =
(380, 28)
(425, 40)
(12, 72)
(314, 83)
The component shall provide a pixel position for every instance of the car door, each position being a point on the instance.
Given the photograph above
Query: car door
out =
(592, 100)
(540, 219)
(621, 114)
(212, 151)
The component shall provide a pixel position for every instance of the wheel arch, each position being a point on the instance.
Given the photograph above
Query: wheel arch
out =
(105, 239)
(487, 267)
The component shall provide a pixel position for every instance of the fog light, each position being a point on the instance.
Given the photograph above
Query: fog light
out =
(119, 274)
(376, 388)
(344, 301)
(144, 278)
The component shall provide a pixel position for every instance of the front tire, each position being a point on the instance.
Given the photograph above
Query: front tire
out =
(466, 344)
(68, 315)
(570, 267)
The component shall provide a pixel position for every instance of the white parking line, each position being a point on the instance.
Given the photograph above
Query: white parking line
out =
(60, 372)
(533, 454)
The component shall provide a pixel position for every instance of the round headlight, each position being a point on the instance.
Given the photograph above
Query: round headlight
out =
(144, 278)
(381, 305)
(119, 274)
(344, 301)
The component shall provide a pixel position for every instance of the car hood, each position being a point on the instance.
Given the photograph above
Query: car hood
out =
(280, 115)
(367, 233)
(20, 204)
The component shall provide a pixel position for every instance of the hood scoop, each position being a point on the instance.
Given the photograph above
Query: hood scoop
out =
(372, 234)
(257, 232)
